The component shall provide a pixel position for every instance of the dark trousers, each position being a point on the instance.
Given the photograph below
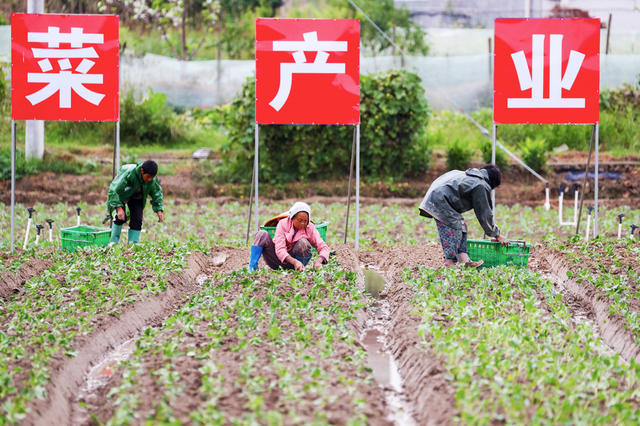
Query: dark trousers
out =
(135, 211)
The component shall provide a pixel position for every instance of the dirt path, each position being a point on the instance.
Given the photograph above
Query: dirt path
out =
(429, 393)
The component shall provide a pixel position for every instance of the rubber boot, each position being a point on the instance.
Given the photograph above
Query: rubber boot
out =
(115, 234)
(134, 236)
(256, 252)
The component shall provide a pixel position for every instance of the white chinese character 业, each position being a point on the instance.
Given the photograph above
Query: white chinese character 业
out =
(66, 79)
(300, 66)
(535, 79)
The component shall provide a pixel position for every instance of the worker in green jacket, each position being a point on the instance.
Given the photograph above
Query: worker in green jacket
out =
(130, 188)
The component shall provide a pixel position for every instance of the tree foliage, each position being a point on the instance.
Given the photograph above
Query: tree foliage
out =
(394, 113)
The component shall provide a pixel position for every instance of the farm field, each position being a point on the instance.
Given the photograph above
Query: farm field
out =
(175, 330)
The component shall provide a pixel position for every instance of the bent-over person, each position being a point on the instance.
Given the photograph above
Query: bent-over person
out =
(454, 193)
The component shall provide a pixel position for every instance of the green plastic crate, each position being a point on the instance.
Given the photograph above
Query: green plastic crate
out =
(494, 253)
(83, 235)
(321, 227)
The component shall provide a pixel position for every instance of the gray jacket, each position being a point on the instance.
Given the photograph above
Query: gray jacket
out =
(456, 192)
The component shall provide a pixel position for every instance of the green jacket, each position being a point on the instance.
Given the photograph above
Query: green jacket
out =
(126, 184)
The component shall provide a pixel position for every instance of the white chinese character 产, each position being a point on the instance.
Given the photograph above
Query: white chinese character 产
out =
(66, 79)
(300, 66)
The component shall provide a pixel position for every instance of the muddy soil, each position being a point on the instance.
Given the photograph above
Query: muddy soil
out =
(426, 387)
(613, 328)
(67, 374)
(429, 393)
(11, 282)
(518, 186)
(233, 402)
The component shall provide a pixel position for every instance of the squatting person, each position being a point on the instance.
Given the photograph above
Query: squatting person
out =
(454, 193)
(291, 245)
(130, 188)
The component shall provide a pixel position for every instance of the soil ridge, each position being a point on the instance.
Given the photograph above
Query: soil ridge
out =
(430, 395)
(68, 375)
(612, 327)
(11, 283)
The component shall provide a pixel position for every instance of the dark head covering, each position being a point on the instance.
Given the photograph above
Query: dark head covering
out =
(150, 167)
(495, 176)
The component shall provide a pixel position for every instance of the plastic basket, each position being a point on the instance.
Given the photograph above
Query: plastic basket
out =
(84, 235)
(321, 227)
(494, 254)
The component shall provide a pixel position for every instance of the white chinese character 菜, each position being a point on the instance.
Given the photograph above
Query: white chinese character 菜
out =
(66, 79)
(535, 79)
(300, 66)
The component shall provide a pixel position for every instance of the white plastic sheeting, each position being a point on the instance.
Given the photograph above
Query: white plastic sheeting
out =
(458, 73)
(462, 81)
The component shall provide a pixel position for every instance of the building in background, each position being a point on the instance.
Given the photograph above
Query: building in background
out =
(481, 13)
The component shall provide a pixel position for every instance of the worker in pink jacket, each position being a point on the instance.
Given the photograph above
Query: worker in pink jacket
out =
(291, 245)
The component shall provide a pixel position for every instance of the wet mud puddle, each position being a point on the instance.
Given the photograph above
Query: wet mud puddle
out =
(98, 377)
(380, 360)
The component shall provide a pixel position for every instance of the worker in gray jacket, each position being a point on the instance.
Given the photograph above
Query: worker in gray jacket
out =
(454, 193)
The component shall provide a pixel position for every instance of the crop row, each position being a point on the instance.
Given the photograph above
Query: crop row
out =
(272, 347)
(218, 224)
(611, 266)
(514, 353)
(66, 302)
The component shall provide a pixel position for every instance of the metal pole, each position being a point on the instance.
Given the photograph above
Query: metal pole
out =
(255, 171)
(353, 153)
(115, 143)
(595, 188)
(13, 182)
(584, 181)
(118, 145)
(606, 50)
(490, 60)
(34, 129)
(253, 176)
(357, 185)
(494, 130)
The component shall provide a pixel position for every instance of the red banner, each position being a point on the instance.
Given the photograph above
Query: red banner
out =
(547, 71)
(307, 71)
(64, 67)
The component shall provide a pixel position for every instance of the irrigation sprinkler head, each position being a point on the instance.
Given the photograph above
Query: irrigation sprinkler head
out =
(546, 185)
(78, 209)
(50, 222)
(620, 216)
(562, 187)
(590, 209)
(575, 187)
(39, 228)
(31, 211)
(633, 229)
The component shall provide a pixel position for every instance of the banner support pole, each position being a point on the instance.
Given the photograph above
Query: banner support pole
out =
(494, 131)
(13, 182)
(357, 186)
(596, 178)
(353, 153)
(255, 171)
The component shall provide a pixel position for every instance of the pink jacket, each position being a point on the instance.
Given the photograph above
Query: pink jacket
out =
(286, 235)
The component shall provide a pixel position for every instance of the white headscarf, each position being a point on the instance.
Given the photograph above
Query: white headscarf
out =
(298, 207)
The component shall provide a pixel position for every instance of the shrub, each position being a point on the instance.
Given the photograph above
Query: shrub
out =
(534, 154)
(458, 155)
(34, 166)
(393, 113)
(5, 100)
(149, 121)
(501, 157)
